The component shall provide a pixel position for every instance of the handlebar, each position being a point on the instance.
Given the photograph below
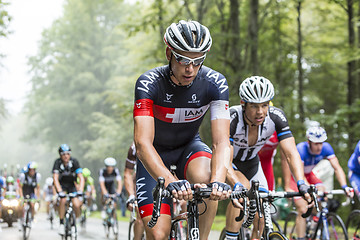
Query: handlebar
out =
(160, 192)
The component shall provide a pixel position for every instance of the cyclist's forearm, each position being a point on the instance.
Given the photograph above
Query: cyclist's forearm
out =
(340, 176)
(220, 161)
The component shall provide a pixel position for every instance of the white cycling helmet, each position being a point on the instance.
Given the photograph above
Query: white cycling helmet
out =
(188, 36)
(49, 181)
(316, 134)
(256, 89)
(111, 162)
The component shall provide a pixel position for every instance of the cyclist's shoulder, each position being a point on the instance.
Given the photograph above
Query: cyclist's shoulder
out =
(276, 113)
(235, 111)
(303, 147)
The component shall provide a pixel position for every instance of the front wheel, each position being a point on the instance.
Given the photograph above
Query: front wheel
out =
(276, 236)
(353, 225)
(290, 226)
(336, 227)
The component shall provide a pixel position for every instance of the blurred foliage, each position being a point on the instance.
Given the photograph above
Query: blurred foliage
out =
(89, 59)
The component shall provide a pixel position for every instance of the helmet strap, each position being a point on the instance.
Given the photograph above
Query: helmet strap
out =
(252, 124)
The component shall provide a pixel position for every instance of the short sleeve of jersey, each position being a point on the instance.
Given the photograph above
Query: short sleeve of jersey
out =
(22, 178)
(90, 181)
(56, 166)
(131, 157)
(219, 92)
(118, 176)
(38, 178)
(76, 166)
(281, 123)
(327, 151)
(101, 175)
(145, 93)
(234, 120)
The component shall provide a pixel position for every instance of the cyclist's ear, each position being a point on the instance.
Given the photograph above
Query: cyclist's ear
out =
(168, 53)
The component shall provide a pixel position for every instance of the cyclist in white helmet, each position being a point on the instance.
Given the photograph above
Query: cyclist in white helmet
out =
(253, 122)
(312, 152)
(49, 192)
(110, 181)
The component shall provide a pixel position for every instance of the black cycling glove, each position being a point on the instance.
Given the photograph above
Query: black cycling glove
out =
(181, 185)
(220, 186)
(302, 187)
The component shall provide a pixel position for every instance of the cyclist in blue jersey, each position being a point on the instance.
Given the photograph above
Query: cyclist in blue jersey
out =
(66, 171)
(354, 170)
(312, 152)
(170, 104)
(253, 122)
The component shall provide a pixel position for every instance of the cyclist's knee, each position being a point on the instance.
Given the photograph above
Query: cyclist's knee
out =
(158, 234)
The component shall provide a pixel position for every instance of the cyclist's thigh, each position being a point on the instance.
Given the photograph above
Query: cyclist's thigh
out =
(201, 153)
(144, 186)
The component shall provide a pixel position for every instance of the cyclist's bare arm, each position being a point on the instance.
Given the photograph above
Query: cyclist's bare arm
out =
(233, 177)
(82, 181)
(220, 161)
(286, 174)
(57, 183)
(129, 181)
(292, 156)
(103, 188)
(119, 186)
(144, 133)
(37, 192)
(339, 172)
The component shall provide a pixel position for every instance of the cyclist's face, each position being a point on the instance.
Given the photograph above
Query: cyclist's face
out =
(256, 112)
(315, 147)
(31, 171)
(109, 169)
(65, 157)
(184, 74)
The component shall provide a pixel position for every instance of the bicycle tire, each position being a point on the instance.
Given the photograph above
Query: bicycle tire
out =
(290, 226)
(276, 226)
(336, 226)
(241, 235)
(26, 224)
(115, 225)
(276, 236)
(180, 230)
(353, 225)
(131, 230)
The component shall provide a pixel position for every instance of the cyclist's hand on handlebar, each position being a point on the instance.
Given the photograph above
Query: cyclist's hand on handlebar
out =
(62, 194)
(348, 191)
(221, 191)
(180, 189)
(304, 190)
(130, 202)
(238, 202)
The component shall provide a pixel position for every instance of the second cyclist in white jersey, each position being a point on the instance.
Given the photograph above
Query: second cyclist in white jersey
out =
(252, 123)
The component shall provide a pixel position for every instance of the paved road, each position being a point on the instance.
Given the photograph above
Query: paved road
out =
(41, 230)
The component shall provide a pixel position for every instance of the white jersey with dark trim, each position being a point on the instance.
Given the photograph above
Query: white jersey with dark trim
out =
(275, 120)
(179, 110)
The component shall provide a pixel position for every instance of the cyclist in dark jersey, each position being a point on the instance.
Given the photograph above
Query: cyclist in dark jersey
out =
(65, 171)
(170, 104)
(30, 184)
(110, 181)
(253, 122)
